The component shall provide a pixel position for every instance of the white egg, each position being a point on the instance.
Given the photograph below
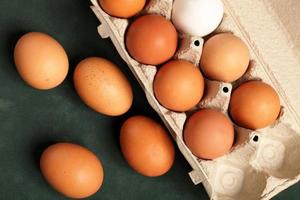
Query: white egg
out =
(197, 17)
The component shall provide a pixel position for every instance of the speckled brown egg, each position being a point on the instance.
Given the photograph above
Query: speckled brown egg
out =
(178, 85)
(102, 86)
(225, 57)
(72, 170)
(254, 105)
(146, 146)
(40, 60)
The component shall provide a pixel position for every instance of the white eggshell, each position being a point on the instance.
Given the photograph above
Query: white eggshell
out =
(197, 17)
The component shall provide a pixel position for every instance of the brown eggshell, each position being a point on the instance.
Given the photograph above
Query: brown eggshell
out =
(225, 57)
(151, 39)
(254, 105)
(102, 86)
(146, 146)
(40, 60)
(122, 8)
(72, 170)
(179, 85)
(209, 134)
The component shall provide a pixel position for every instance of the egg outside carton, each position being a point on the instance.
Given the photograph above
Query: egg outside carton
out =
(252, 170)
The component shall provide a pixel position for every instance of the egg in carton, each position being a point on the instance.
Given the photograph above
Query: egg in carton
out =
(263, 162)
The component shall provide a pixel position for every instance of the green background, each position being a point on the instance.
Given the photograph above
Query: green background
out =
(30, 120)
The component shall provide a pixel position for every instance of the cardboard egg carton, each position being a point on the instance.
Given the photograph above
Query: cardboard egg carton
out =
(263, 162)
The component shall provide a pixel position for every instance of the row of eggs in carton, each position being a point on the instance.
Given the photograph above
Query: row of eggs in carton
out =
(256, 155)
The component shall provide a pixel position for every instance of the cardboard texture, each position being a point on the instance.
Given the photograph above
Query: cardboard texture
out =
(263, 162)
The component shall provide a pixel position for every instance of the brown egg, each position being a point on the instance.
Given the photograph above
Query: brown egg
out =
(102, 86)
(254, 105)
(209, 134)
(146, 146)
(225, 58)
(179, 85)
(72, 170)
(151, 39)
(122, 8)
(41, 61)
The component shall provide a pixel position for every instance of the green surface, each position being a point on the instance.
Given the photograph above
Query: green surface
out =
(30, 120)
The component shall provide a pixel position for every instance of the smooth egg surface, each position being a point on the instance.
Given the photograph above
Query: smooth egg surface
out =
(209, 134)
(225, 57)
(122, 8)
(151, 39)
(146, 146)
(197, 17)
(72, 170)
(179, 85)
(254, 105)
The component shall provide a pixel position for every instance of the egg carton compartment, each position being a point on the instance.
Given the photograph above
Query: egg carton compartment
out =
(277, 152)
(255, 169)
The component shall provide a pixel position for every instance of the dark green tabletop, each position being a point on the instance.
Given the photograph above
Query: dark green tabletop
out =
(30, 120)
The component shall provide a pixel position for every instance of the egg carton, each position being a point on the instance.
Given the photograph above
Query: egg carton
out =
(262, 163)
